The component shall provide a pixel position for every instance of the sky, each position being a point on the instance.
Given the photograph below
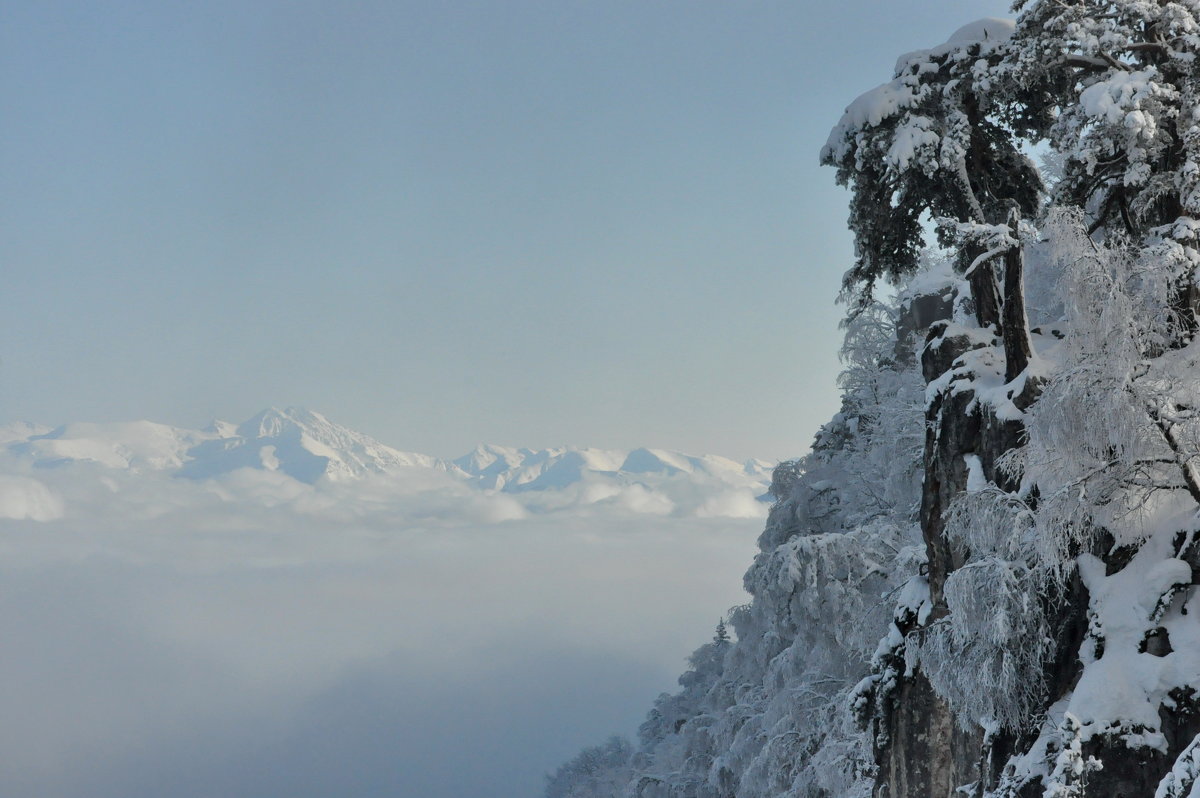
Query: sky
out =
(528, 223)
(440, 223)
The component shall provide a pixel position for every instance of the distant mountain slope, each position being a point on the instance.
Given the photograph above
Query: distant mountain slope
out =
(135, 445)
(300, 443)
(309, 448)
(517, 470)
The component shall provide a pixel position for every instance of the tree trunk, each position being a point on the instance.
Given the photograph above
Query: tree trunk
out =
(983, 289)
(1015, 326)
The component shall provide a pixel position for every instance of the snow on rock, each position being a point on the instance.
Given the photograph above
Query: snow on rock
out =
(1125, 679)
(976, 481)
(937, 279)
(980, 370)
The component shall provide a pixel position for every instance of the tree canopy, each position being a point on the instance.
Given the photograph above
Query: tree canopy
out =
(1014, 467)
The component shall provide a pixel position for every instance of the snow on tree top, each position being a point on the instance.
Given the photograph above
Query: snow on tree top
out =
(988, 33)
(1120, 97)
(872, 107)
(988, 29)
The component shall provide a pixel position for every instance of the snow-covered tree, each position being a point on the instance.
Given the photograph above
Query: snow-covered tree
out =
(597, 772)
(927, 144)
(981, 578)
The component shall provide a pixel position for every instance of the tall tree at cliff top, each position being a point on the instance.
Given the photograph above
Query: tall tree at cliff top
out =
(1016, 467)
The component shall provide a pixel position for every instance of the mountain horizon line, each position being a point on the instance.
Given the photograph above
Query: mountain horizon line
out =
(307, 446)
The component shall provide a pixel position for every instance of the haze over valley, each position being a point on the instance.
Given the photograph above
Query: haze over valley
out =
(248, 609)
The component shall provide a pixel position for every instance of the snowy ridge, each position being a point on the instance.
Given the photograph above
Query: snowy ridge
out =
(136, 445)
(305, 448)
(300, 443)
(515, 470)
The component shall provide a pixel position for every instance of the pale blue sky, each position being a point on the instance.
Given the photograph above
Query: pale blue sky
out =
(533, 223)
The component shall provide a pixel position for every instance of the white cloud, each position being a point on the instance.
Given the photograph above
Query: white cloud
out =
(731, 504)
(165, 636)
(23, 497)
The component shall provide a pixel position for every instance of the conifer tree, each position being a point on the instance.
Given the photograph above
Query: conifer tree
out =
(1016, 472)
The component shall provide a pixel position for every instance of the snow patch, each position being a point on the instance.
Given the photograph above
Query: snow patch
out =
(1123, 684)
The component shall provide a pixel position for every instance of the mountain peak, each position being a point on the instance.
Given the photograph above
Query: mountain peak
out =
(307, 446)
(272, 422)
(301, 443)
(518, 470)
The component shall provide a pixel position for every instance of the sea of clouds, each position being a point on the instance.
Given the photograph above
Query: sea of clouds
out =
(401, 636)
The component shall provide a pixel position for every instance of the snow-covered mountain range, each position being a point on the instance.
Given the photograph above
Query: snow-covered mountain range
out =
(306, 447)
(515, 470)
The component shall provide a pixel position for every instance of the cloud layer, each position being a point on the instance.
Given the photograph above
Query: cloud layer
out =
(253, 635)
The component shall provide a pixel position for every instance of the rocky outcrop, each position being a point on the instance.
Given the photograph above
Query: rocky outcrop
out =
(925, 753)
(975, 404)
(928, 754)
